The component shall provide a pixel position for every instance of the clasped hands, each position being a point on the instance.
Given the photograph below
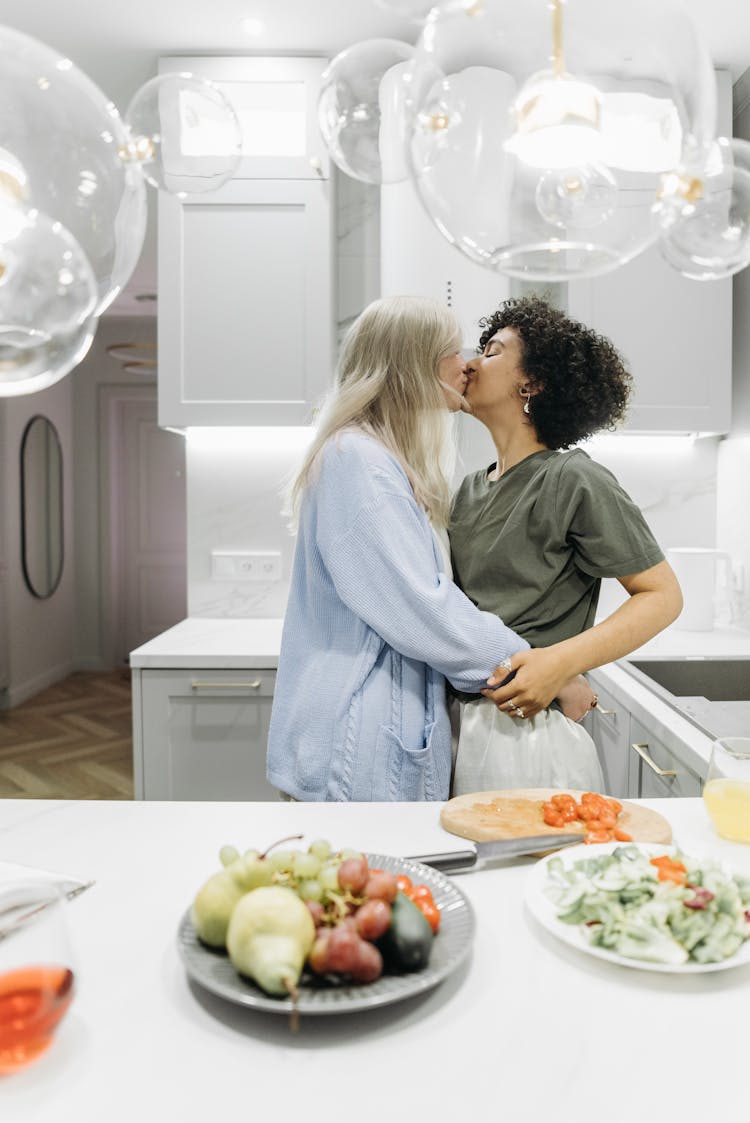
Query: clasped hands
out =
(525, 684)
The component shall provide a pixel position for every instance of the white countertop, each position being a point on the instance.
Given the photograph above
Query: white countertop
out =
(526, 1020)
(211, 642)
(673, 641)
(231, 642)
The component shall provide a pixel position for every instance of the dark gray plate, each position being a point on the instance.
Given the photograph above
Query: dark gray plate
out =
(212, 969)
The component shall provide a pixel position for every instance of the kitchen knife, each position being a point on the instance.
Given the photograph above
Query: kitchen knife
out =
(478, 854)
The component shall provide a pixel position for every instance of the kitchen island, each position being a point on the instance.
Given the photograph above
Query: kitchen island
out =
(527, 1029)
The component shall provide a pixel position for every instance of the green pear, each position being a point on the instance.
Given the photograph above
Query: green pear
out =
(213, 907)
(270, 936)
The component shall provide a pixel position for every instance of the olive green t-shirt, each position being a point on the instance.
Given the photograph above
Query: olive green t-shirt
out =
(533, 546)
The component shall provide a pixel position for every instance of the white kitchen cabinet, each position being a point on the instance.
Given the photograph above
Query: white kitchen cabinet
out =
(246, 272)
(675, 333)
(675, 336)
(636, 760)
(609, 726)
(201, 734)
(655, 770)
(276, 102)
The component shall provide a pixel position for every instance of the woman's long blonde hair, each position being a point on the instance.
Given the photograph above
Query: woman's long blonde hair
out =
(387, 386)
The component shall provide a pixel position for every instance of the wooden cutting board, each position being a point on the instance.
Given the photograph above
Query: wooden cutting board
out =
(484, 816)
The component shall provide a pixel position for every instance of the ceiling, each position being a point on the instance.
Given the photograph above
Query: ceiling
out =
(118, 46)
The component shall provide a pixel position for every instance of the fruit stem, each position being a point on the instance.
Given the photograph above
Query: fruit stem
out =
(293, 992)
(278, 842)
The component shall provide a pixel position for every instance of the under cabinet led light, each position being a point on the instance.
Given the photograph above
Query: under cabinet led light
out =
(255, 438)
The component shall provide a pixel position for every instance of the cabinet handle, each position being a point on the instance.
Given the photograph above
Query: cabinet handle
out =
(316, 165)
(602, 710)
(224, 685)
(642, 751)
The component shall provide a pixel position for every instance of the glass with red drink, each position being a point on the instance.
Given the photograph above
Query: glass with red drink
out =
(36, 970)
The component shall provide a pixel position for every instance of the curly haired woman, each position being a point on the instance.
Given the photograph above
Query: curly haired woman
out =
(532, 536)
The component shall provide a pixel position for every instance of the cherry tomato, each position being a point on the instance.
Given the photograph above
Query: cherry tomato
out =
(404, 883)
(430, 912)
(597, 836)
(421, 893)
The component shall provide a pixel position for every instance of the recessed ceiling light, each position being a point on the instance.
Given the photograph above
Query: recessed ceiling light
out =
(252, 26)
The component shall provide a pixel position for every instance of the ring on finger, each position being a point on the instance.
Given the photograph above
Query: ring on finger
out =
(518, 711)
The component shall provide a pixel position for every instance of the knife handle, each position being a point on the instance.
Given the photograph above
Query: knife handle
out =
(452, 860)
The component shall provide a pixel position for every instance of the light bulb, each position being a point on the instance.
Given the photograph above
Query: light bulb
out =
(577, 197)
(557, 122)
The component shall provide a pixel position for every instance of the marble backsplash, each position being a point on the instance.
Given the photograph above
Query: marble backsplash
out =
(733, 520)
(237, 477)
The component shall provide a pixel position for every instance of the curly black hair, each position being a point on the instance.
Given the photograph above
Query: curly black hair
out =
(581, 379)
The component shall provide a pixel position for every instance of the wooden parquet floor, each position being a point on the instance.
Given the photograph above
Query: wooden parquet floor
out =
(71, 741)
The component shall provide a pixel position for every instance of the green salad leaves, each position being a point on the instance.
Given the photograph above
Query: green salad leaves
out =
(683, 912)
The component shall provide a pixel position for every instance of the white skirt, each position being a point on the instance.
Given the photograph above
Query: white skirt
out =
(496, 751)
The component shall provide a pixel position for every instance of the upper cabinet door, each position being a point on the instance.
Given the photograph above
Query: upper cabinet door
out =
(675, 336)
(246, 272)
(245, 304)
(276, 101)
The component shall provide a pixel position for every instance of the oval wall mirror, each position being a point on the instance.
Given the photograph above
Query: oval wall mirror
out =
(41, 507)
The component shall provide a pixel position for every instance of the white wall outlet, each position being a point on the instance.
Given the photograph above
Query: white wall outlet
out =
(239, 565)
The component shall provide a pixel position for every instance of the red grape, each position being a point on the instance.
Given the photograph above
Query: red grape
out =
(381, 884)
(369, 963)
(353, 874)
(318, 958)
(343, 949)
(317, 912)
(373, 918)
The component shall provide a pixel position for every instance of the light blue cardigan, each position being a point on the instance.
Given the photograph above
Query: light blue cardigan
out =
(372, 627)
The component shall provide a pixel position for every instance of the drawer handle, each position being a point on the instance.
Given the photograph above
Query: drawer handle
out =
(225, 685)
(642, 751)
(601, 709)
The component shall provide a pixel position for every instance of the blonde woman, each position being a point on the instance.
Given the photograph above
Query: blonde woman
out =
(374, 625)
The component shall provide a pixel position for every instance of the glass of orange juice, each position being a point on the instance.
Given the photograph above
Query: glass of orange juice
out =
(726, 792)
(36, 970)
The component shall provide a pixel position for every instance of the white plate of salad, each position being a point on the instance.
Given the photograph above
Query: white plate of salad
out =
(644, 905)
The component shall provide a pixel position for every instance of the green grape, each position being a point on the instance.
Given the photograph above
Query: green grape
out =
(321, 848)
(310, 890)
(250, 854)
(329, 876)
(228, 854)
(306, 865)
(282, 860)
